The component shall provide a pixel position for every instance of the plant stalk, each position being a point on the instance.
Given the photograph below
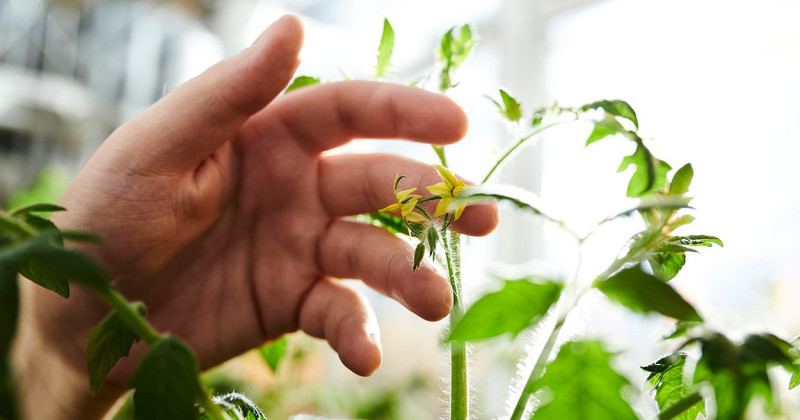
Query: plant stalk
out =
(129, 312)
(679, 407)
(213, 411)
(459, 386)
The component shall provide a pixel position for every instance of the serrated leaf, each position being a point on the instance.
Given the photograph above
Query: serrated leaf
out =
(35, 269)
(644, 293)
(681, 180)
(108, 342)
(515, 307)
(603, 129)
(615, 107)
(166, 382)
(580, 384)
(37, 208)
(650, 173)
(59, 263)
(247, 408)
(385, 50)
(300, 82)
(273, 353)
(696, 240)
(454, 49)
(673, 386)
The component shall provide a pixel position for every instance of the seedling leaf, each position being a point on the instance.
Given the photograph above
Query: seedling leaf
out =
(618, 108)
(509, 108)
(302, 81)
(517, 306)
(604, 128)
(580, 384)
(273, 353)
(108, 342)
(385, 50)
(681, 180)
(166, 382)
(672, 385)
(644, 293)
(650, 173)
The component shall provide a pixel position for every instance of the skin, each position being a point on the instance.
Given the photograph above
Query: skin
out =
(222, 213)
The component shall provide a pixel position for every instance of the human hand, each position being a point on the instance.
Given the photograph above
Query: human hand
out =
(221, 212)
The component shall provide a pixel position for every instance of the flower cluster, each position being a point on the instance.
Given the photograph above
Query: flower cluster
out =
(419, 222)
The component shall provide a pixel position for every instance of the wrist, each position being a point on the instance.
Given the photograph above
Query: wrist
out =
(51, 381)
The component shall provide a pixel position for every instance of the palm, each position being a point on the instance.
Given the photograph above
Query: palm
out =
(226, 219)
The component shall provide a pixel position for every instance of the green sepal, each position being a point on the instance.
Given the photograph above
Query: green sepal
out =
(419, 252)
(518, 305)
(644, 293)
(433, 239)
(166, 382)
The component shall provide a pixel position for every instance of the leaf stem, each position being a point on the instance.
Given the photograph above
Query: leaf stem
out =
(129, 312)
(459, 394)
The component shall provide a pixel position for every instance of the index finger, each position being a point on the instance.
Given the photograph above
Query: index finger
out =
(325, 116)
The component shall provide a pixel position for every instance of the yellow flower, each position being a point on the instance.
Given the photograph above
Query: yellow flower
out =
(447, 190)
(406, 202)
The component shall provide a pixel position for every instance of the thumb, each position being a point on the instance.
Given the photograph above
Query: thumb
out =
(193, 121)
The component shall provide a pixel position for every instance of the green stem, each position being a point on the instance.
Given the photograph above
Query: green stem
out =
(130, 313)
(536, 131)
(679, 407)
(538, 368)
(459, 387)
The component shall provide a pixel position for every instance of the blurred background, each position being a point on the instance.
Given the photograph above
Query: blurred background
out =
(714, 82)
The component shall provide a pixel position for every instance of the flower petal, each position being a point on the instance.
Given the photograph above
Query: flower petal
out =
(443, 206)
(391, 208)
(401, 195)
(440, 189)
(416, 217)
(449, 179)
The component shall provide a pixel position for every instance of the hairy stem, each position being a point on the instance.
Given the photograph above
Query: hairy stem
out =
(129, 312)
(213, 411)
(535, 132)
(459, 387)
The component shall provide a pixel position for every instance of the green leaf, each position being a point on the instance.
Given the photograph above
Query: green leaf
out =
(603, 129)
(37, 208)
(108, 342)
(395, 225)
(681, 220)
(509, 195)
(273, 353)
(58, 264)
(126, 411)
(301, 81)
(9, 310)
(538, 116)
(39, 223)
(454, 49)
(795, 378)
(733, 375)
(385, 49)
(673, 385)
(666, 266)
(681, 180)
(166, 382)
(696, 240)
(644, 293)
(618, 108)
(247, 408)
(660, 204)
(509, 108)
(650, 173)
(580, 384)
(35, 269)
(517, 306)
